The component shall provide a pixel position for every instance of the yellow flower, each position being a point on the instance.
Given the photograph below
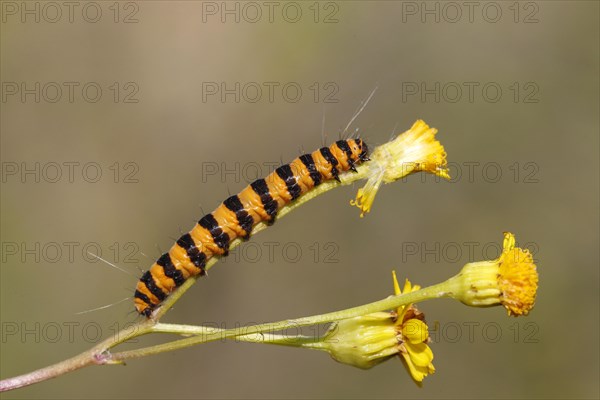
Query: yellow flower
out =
(368, 340)
(510, 280)
(413, 151)
(414, 337)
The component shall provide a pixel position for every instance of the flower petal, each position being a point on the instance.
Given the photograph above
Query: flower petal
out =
(417, 373)
(420, 354)
(397, 290)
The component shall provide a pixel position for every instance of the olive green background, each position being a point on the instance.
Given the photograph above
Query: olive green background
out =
(544, 143)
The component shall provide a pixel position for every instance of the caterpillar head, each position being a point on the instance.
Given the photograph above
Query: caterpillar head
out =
(349, 152)
(360, 150)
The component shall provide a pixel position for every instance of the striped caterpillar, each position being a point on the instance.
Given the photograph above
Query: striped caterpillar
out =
(237, 215)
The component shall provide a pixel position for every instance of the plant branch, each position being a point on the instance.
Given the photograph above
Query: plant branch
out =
(202, 335)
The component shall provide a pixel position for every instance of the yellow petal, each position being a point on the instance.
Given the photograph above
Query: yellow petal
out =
(420, 354)
(397, 290)
(509, 242)
(417, 373)
(366, 195)
(407, 287)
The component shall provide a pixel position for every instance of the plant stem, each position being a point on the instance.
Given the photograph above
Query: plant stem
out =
(97, 355)
(264, 338)
(203, 336)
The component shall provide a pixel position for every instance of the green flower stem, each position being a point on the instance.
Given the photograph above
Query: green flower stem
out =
(202, 335)
(265, 338)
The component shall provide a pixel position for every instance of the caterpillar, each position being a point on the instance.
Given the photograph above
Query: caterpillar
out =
(237, 215)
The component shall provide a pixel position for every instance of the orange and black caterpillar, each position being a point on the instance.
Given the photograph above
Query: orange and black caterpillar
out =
(236, 216)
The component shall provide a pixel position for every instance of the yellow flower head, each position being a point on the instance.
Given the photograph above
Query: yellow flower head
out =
(414, 337)
(368, 340)
(413, 151)
(510, 280)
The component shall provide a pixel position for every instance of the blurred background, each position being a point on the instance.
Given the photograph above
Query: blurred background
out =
(124, 122)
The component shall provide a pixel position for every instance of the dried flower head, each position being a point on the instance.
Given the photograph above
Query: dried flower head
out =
(413, 151)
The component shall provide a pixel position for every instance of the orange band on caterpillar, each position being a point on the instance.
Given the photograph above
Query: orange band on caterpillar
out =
(237, 215)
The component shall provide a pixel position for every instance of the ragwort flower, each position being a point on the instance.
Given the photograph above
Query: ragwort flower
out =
(510, 280)
(368, 340)
(415, 150)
